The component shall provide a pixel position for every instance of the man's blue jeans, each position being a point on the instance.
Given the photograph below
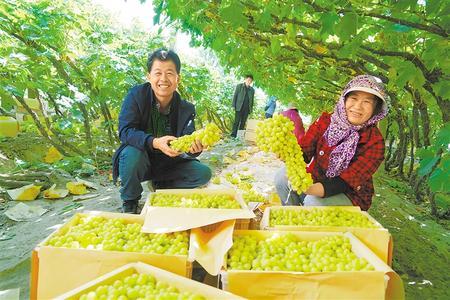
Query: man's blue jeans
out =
(135, 166)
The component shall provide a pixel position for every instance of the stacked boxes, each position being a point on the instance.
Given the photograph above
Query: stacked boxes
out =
(58, 270)
(250, 131)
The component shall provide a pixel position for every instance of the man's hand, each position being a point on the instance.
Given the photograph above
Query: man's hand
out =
(196, 147)
(162, 144)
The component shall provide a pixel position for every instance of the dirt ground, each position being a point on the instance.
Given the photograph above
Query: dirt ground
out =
(420, 243)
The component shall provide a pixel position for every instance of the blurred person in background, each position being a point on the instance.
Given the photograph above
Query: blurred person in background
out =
(243, 100)
(292, 113)
(270, 107)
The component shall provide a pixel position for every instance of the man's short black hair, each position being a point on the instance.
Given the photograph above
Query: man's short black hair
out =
(249, 76)
(164, 55)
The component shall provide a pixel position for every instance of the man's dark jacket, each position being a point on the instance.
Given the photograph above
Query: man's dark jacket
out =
(239, 96)
(134, 121)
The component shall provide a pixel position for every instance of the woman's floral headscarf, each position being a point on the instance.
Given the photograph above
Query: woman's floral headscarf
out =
(342, 133)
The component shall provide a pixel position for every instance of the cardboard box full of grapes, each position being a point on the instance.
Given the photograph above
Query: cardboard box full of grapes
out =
(139, 280)
(306, 265)
(181, 209)
(332, 219)
(250, 131)
(94, 243)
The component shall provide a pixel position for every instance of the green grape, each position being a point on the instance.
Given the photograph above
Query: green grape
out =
(233, 178)
(288, 253)
(320, 217)
(194, 200)
(275, 135)
(216, 180)
(95, 232)
(207, 136)
(240, 180)
(245, 186)
(139, 286)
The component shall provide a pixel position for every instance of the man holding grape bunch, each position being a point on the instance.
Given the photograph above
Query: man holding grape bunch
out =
(152, 115)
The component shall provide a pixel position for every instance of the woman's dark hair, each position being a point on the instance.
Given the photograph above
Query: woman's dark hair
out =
(378, 107)
(164, 55)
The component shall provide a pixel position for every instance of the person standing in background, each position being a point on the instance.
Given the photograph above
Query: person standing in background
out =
(270, 107)
(292, 113)
(242, 104)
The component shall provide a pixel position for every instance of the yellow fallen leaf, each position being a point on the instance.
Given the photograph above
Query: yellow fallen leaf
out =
(320, 49)
(25, 193)
(292, 79)
(53, 155)
(243, 153)
(53, 193)
(76, 188)
(87, 183)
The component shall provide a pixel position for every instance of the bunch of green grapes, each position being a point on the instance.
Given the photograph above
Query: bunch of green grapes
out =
(95, 232)
(253, 196)
(234, 179)
(239, 179)
(245, 186)
(287, 253)
(138, 286)
(320, 217)
(208, 136)
(276, 135)
(216, 180)
(194, 200)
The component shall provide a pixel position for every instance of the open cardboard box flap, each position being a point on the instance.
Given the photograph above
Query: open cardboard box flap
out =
(170, 219)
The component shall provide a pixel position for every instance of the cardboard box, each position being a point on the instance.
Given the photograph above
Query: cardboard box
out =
(181, 283)
(62, 269)
(170, 219)
(383, 283)
(250, 131)
(379, 240)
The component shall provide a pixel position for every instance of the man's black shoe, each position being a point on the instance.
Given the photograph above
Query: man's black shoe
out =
(129, 207)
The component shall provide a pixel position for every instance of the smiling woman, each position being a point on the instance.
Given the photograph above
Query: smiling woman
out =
(344, 148)
(360, 107)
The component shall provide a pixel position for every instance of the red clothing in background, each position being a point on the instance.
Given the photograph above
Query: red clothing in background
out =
(299, 130)
(358, 176)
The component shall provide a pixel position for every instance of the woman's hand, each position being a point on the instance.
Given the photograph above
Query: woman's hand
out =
(196, 147)
(316, 189)
(162, 144)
